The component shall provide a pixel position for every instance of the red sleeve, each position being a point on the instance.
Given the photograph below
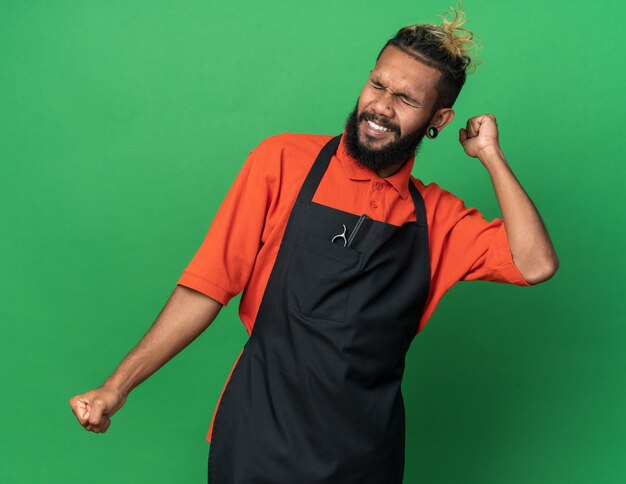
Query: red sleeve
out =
(480, 249)
(222, 265)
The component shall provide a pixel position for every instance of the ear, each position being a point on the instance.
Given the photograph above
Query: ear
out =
(441, 118)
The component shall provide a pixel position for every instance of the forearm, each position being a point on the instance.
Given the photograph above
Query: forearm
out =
(184, 317)
(531, 247)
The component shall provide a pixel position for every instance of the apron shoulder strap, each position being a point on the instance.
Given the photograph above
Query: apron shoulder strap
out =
(316, 172)
(418, 201)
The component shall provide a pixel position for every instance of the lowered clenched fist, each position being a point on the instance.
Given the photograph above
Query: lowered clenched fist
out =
(95, 408)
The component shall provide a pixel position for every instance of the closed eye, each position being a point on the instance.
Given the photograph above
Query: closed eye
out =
(409, 102)
(404, 99)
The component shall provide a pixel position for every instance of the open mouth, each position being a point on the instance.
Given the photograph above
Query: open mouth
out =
(376, 130)
(377, 127)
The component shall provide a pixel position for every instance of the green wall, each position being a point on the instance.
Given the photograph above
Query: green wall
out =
(123, 125)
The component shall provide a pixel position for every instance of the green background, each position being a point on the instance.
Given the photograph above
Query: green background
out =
(123, 124)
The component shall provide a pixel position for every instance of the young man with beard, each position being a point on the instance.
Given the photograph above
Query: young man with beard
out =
(342, 257)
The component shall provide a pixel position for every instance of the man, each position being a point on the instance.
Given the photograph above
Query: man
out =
(342, 256)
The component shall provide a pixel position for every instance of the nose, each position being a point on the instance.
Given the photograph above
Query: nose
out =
(383, 104)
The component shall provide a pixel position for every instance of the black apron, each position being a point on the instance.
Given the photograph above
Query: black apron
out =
(315, 396)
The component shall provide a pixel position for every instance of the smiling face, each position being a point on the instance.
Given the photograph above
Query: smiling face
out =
(394, 111)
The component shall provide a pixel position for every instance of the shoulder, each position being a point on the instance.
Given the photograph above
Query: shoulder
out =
(291, 144)
(285, 157)
(442, 206)
(435, 195)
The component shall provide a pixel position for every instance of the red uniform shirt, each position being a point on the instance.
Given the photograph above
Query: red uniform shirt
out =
(240, 247)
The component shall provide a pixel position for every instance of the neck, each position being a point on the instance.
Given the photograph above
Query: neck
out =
(389, 170)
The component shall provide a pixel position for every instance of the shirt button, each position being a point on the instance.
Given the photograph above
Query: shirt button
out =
(374, 204)
(379, 186)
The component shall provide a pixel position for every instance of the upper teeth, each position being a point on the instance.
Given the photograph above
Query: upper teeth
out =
(376, 126)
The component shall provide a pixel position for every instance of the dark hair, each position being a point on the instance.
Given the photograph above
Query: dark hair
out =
(438, 47)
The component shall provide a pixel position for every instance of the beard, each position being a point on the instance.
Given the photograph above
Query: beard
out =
(398, 150)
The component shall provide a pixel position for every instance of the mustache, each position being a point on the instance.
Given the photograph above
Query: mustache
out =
(367, 116)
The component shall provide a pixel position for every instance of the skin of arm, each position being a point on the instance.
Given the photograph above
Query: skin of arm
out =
(531, 247)
(186, 314)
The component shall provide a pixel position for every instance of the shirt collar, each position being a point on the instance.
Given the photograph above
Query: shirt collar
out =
(355, 171)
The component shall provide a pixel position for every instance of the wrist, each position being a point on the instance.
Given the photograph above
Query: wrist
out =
(492, 157)
(118, 387)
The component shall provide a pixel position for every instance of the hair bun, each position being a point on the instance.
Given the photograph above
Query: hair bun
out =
(456, 39)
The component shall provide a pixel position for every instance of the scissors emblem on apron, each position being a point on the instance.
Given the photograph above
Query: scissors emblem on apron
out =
(343, 235)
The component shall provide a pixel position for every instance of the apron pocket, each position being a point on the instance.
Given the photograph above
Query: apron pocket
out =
(319, 276)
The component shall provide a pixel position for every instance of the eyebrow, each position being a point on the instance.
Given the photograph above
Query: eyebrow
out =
(398, 93)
